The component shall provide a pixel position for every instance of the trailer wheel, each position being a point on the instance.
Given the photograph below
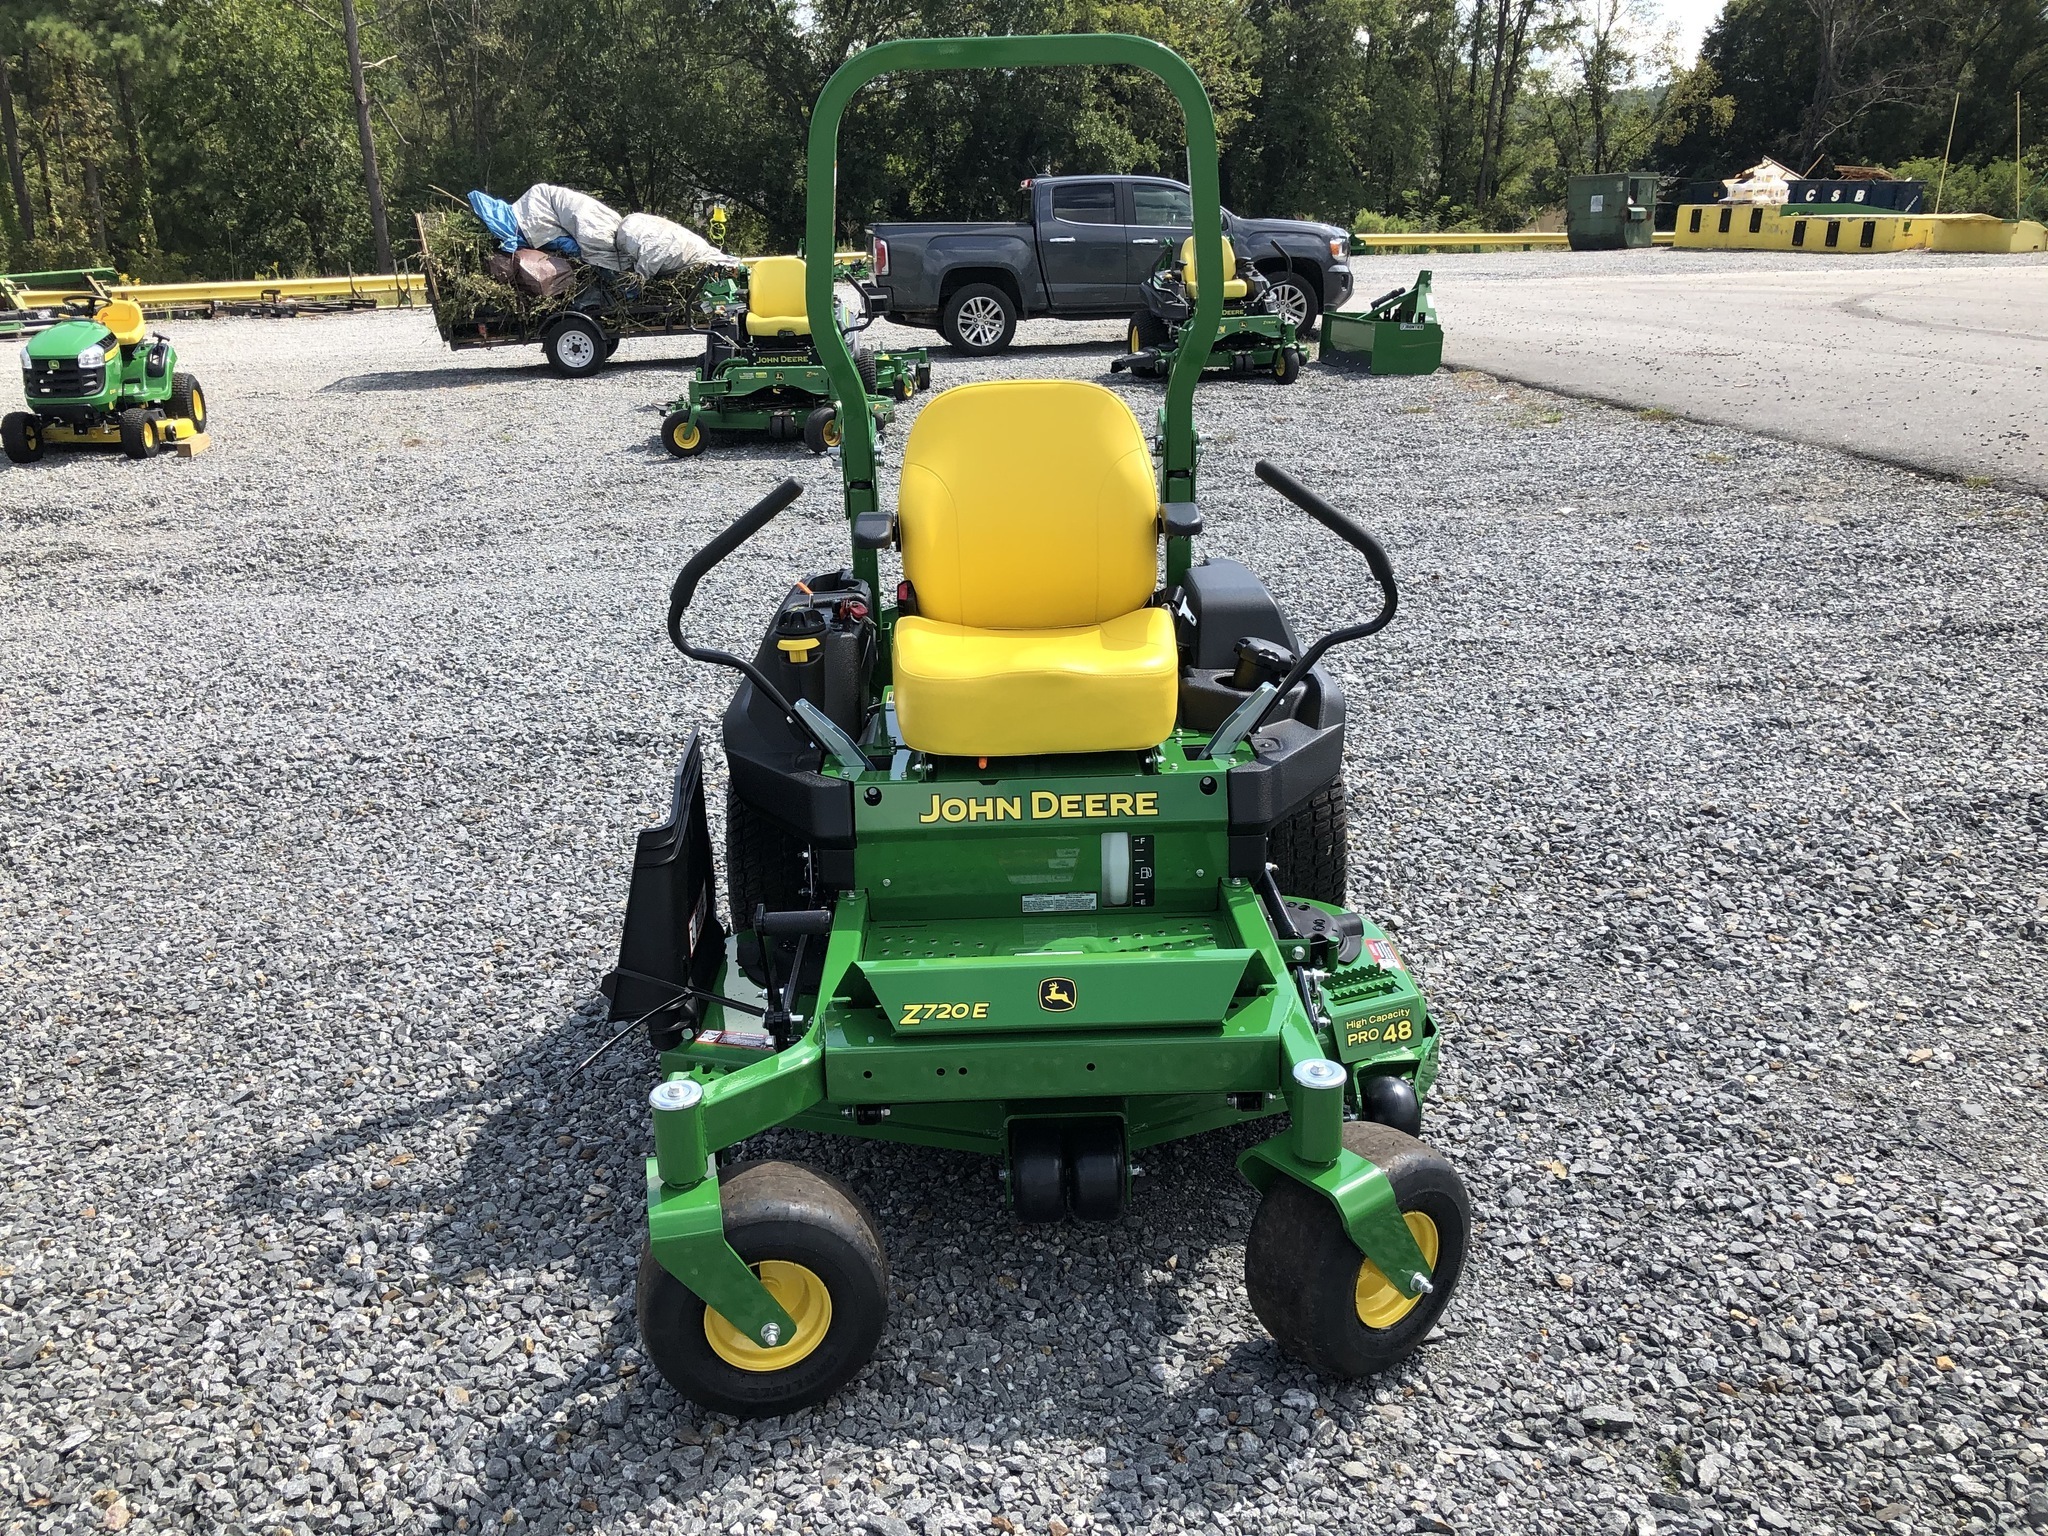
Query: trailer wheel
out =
(1311, 850)
(138, 433)
(575, 346)
(21, 434)
(681, 436)
(1326, 1304)
(188, 401)
(816, 1248)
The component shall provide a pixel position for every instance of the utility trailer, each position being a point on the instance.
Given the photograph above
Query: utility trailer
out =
(578, 330)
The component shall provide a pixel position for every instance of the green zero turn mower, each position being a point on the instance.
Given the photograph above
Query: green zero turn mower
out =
(762, 370)
(1045, 860)
(1254, 336)
(100, 380)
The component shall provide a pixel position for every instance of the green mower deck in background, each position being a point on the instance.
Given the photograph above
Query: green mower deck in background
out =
(1254, 337)
(1396, 333)
(96, 378)
(1052, 955)
(776, 384)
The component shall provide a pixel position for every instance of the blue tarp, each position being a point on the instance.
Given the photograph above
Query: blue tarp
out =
(497, 216)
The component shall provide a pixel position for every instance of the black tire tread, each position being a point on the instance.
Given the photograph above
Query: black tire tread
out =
(183, 386)
(1311, 850)
(764, 862)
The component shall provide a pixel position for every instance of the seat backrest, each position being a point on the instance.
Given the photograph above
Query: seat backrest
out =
(775, 286)
(124, 318)
(1187, 263)
(1028, 504)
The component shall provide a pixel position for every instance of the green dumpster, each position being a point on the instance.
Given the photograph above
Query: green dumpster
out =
(1610, 212)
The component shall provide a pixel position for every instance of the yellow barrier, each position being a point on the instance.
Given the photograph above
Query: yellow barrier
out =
(402, 287)
(1546, 240)
(1759, 227)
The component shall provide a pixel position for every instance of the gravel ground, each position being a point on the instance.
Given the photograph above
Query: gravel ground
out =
(1702, 777)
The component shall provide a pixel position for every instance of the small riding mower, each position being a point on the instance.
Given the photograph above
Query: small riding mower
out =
(1044, 860)
(100, 380)
(1396, 333)
(766, 376)
(1256, 337)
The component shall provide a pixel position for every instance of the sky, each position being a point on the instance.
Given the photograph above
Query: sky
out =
(1691, 18)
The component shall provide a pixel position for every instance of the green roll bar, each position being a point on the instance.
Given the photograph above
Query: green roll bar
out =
(857, 428)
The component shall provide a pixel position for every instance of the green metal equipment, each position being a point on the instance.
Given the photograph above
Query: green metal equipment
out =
(1043, 860)
(762, 370)
(1396, 333)
(1255, 336)
(98, 379)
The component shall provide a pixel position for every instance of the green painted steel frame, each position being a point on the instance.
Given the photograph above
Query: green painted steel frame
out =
(1177, 447)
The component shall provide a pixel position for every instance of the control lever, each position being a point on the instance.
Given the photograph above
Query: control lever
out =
(1259, 661)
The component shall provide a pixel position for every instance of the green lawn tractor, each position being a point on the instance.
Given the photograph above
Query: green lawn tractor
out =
(1396, 333)
(1255, 336)
(1043, 860)
(762, 372)
(99, 380)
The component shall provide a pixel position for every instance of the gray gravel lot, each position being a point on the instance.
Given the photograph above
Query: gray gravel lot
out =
(1702, 776)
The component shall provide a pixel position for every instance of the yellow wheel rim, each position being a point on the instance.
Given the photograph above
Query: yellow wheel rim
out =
(803, 1296)
(1134, 340)
(149, 434)
(198, 408)
(831, 433)
(686, 434)
(1379, 1301)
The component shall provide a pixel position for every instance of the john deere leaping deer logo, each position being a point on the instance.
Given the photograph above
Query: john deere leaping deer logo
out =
(1056, 994)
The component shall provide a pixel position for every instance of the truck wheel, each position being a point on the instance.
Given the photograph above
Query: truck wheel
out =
(1311, 850)
(816, 1248)
(1293, 298)
(821, 430)
(681, 436)
(138, 433)
(1323, 1301)
(188, 401)
(574, 346)
(21, 434)
(979, 319)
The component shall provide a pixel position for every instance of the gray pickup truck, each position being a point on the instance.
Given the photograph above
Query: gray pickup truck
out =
(1090, 243)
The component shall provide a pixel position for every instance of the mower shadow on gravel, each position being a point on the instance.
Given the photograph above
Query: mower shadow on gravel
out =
(1066, 1328)
(407, 381)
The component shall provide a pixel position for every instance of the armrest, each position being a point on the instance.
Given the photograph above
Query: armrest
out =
(1181, 519)
(874, 530)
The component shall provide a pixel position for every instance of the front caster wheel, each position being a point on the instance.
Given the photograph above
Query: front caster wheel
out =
(681, 436)
(821, 430)
(815, 1247)
(1287, 366)
(1325, 1303)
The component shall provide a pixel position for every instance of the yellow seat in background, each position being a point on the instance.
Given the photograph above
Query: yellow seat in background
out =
(124, 318)
(1028, 517)
(775, 297)
(1234, 287)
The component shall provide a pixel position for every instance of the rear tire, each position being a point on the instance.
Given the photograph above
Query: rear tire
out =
(979, 319)
(21, 434)
(718, 350)
(575, 346)
(870, 371)
(1311, 850)
(138, 433)
(764, 863)
(1313, 1290)
(815, 1231)
(1294, 298)
(188, 401)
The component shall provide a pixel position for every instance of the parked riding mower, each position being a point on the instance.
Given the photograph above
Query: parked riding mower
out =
(99, 380)
(764, 375)
(1044, 860)
(1256, 335)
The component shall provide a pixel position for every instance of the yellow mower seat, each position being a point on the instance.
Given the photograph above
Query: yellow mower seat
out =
(1234, 287)
(1029, 522)
(775, 297)
(124, 318)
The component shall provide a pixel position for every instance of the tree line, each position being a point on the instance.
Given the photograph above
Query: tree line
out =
(233, 138)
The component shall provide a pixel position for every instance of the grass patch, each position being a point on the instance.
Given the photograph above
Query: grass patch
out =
(1977, 482)
(1717, 458)
(1540, 419)
(1657, 413)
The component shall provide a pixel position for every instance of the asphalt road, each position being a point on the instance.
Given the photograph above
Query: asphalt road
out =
(1935, 362)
